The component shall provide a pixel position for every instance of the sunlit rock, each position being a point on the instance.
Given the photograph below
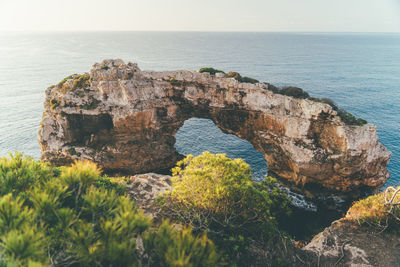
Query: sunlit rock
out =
(125, 119)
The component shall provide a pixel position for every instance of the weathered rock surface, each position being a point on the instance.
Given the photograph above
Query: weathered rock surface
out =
(125, 119)
(145, 188)
(345, 243)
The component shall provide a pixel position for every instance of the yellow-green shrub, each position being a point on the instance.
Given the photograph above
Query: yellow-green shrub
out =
(76, 218)
(19, 173)
(372, 210)
(171, 247)
(217, 194)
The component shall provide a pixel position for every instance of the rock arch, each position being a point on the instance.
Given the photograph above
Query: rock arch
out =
(125, 119)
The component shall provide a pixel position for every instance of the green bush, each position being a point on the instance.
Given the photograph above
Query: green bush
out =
(72, 151)
(239, 78)
(73, 216)
(212, 71)
(330, 102)
(19, 173)
(60, 84)
(107, 183)
(214, 193)
(92, 103)
(78, 81)
(24, 245)
(349, 118)
(273, 88)
(111, 240)
(171, 247)
(295, 92)
(54, 104)
(248, 80)
(81, 81)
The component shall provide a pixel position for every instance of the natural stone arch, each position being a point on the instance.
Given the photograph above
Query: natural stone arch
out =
(125, 119)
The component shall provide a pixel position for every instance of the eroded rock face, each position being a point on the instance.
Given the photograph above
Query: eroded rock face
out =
(125, 119)
(145, 188)
(346, 243)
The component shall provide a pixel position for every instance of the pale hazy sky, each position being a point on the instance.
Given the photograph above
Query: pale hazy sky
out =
(201, 15)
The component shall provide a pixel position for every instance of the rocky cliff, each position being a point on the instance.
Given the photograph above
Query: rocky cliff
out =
(125, 119)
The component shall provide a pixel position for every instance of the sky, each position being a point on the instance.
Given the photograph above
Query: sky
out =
(204, 15)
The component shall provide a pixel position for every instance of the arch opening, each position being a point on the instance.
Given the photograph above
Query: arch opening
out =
(197, 135)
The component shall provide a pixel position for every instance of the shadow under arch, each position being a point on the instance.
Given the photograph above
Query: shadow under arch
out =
(198, 135)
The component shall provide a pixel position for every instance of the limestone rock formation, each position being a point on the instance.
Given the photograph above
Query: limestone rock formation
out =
(346, 243)
(145, 188)
(125, 119)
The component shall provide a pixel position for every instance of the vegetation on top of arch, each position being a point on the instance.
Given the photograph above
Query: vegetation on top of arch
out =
(295, 92)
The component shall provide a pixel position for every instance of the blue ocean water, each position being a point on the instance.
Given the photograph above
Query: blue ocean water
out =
(361, 72)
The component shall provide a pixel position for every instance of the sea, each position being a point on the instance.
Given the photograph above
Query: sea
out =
(359, 71)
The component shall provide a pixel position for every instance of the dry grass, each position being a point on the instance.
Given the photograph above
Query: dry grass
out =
(379, 209)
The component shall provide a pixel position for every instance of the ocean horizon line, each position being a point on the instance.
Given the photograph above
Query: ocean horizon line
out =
(195, 31)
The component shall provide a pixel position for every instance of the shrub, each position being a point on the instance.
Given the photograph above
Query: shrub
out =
(375, 210)
(105, 67)
(344, 115)
(330, 102)
(60, 84)
(24, 245)
(99, 202)
(19, 173)
(12, 214)
(74, 217)
(212, 71)
(273, 88)
(111, 184)
(214, 193)
(91, 104)
(248, 80)
(54, 104)
(21, 242)
(171, 247)
(111, 240)
(295, 92)
(349, 118)
(80, 174)
(239, 78)
(72, 151)
(81, 81)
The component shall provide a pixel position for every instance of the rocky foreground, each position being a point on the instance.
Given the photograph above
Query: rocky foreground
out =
(344, 243)
(125, 119)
